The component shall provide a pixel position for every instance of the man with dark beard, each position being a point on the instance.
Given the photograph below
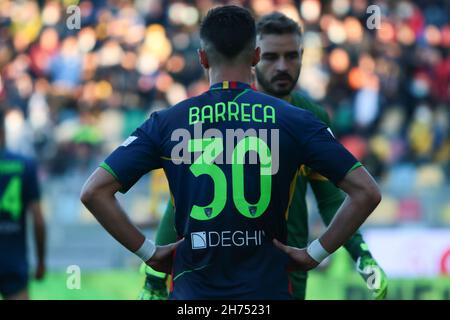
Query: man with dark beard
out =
(277, 73)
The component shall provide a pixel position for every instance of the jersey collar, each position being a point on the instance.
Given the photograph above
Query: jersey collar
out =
(230, 85)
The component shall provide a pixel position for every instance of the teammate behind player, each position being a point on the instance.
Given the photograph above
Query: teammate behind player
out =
(280, 40)
(19, 192)
(229, 209)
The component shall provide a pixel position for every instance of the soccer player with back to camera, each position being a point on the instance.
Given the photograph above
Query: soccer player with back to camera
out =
(230, 209)
(19, 194)
(280, 41)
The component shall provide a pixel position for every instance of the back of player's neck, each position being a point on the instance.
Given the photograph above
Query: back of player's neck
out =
(230, 74)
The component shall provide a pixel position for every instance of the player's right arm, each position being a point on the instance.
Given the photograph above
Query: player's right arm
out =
(362, 198)
(321, 152)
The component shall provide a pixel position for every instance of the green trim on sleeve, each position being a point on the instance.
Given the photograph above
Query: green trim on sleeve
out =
(355, 166)
(105, 166)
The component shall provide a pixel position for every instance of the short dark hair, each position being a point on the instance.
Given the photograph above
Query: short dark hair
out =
(277, 23)
(228, 31)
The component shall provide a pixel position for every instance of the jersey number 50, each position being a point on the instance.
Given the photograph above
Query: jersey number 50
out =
(204, 164)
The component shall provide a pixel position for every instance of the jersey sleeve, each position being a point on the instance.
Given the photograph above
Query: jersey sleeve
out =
(322, 152)
(137, 155)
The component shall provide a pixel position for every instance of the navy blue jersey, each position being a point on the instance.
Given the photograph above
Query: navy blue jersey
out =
(231, 156)
(18, 188)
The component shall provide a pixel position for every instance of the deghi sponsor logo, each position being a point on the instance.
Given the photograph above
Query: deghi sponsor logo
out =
(203, 239)
(198, 240)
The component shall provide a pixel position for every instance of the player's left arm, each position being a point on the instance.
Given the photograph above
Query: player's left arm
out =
(98, 195)
(138, 155)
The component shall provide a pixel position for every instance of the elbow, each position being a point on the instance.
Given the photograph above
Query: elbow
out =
(378, 198)
(87, 195)
(372, 196)
(367, 197)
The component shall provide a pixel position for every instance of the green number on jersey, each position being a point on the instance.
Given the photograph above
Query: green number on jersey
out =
(10, 200)
(204, 164)
(258, 145)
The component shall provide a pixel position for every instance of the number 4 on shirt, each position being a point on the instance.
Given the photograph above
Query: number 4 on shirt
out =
(10, 199)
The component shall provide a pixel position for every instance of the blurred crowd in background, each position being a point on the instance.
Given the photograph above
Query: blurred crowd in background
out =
(73, 94)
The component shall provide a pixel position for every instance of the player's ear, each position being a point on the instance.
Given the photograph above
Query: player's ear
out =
(256, 56)
(203, 58)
